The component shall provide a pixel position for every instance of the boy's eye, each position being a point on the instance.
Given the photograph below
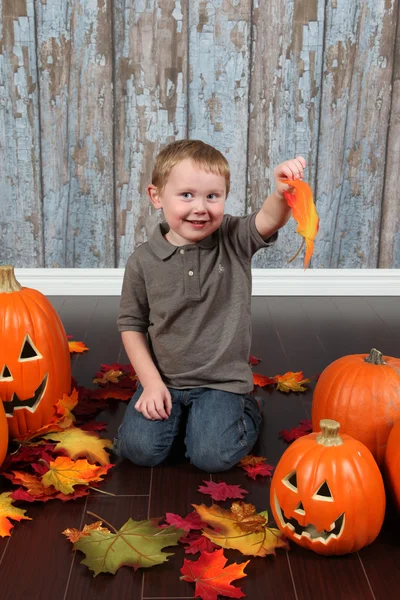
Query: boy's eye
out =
(212, 196)
(186, 195)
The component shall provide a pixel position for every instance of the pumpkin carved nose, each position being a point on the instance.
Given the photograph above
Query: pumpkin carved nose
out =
(5, 373)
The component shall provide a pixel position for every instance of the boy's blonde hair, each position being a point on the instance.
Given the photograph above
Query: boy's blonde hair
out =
(203, 155)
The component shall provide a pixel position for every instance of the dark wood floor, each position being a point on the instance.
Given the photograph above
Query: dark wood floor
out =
(305, 333)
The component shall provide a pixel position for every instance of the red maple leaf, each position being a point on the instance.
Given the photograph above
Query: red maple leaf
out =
(262, 380)
(222, 491)
(290, 435)
(94, 426)
(261, 469)
(211, 577)
(253, 360)
(196, 542)
(191, 521)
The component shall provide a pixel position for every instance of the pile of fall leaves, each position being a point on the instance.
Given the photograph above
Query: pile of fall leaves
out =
(67, 458)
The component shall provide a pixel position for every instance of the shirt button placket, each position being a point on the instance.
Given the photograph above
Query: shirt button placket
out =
(192, 273)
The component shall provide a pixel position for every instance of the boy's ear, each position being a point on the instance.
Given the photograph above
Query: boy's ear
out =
(154, 196)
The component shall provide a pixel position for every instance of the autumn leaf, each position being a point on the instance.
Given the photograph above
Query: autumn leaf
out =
(196, 542)
(305, 213)
(253, 360)
(112, 391)
(291, 382)
(77, 347)
(137, 544)
(191, 521)
(111, 376)
(8, 511)
(262, 380)
(77, 443)
(290, 435)
(221, 490)
(32, 483)
(263, 470)
(73, 535)
(251, 460)
(64, 473)
(211, 577)
(230, 533)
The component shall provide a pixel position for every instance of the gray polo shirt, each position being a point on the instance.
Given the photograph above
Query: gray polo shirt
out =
(194, 302)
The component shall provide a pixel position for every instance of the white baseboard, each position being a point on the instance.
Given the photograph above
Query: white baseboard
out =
(266, 282)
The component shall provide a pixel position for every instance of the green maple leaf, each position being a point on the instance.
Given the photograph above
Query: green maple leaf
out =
(137, 544)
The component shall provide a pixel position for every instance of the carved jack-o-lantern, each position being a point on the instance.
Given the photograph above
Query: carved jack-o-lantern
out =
(35, 369)
(327, 493)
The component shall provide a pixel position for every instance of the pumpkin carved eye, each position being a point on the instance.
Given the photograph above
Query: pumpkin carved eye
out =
(29, 350)
(5, 374)
(324, 493)
(291, 481)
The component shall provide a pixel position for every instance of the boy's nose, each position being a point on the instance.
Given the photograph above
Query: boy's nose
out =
(200, 206)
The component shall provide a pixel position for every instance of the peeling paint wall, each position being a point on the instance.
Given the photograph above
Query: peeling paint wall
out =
(91, 90)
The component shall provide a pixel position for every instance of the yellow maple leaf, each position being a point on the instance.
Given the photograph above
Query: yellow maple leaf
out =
(73, 535)
(64, 473)
(77, 443)
(291, 382)
(77, 347)
(111, 375)
(230, 534)
(8, 511)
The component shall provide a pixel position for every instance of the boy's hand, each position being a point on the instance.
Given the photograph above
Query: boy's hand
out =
(290, 169)
(155, 402)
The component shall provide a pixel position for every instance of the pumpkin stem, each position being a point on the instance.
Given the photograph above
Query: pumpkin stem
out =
(329, 435)
(8, 283)
(375, 357)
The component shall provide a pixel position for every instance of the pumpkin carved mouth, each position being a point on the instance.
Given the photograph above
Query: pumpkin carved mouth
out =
(30, 404)
(310, 530)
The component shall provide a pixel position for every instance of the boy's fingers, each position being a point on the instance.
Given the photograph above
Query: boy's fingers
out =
(161, 412)
(168, 404)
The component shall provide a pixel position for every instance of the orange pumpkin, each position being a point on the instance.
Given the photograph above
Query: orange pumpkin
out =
(392, 463)
(360, 384)
(3, 433)
(35, 367)
(327, 492)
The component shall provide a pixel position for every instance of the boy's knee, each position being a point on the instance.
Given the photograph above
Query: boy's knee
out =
(209, 460)
(139, 454)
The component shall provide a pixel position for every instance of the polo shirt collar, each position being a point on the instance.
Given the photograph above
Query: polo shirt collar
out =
(163, 249)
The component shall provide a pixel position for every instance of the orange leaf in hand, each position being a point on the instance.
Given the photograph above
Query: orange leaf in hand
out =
(211, 577)
(305, 213)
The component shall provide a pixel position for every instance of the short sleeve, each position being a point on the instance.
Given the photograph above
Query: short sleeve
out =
(243, 235)
(134, 306)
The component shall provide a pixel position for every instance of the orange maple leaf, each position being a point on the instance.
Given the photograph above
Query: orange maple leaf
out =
(211, 577)
(73, 535)
(262, 380)
(251, 460)
(112, 391)
(291, 382)
(305, 213)
(64, 473)
(77, 347)
(8, 511)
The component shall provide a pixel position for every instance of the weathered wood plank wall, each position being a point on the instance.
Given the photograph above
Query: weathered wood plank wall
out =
(90, 90)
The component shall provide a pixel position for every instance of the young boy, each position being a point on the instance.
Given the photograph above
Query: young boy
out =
(185, 312)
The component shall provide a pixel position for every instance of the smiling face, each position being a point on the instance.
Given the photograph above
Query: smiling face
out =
(193, 202)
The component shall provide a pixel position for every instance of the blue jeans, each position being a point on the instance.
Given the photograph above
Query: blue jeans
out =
(222, 427)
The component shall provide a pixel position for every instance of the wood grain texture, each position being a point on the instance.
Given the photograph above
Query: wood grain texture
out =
(356, 93)
(21, 213)
(150, 111)
(389, 249)
(76, 107)
(285, 91)
(219, 47)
